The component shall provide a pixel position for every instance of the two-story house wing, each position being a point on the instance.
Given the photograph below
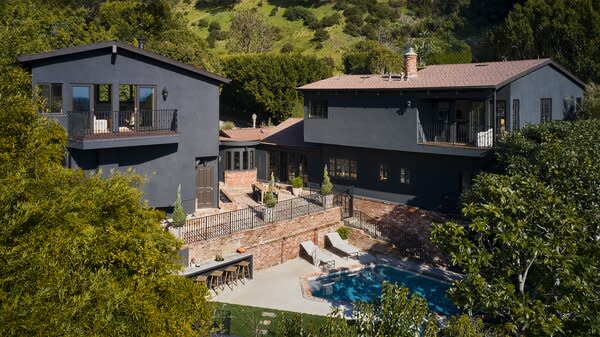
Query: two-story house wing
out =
(127, 108)
(419, 137)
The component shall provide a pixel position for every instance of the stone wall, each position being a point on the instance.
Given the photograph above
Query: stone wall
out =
(271, 244)
(243, 178)
(408, 226)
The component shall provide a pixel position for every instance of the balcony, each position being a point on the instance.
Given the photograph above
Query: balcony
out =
(98, 129)
(456, 134)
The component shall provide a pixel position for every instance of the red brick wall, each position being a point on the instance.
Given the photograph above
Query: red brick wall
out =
(271, 244)
(408, 226)
(240, 178)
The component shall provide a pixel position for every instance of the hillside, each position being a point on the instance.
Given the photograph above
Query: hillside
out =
(292, 32)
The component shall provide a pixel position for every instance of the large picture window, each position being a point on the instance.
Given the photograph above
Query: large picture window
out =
(52, 95)
(342, 168)
(317, 109)
(546, 109)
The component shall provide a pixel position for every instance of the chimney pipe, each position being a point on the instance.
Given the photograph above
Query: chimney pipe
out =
(410, 63)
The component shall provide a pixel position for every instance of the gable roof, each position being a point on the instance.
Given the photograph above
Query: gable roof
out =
(28, 59)
(443, 76)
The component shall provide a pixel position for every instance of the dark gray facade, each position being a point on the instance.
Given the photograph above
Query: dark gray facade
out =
(167, 158)
(441, 137)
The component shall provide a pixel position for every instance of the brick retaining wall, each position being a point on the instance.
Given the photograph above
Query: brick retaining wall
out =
(271, 244)
(240, 178)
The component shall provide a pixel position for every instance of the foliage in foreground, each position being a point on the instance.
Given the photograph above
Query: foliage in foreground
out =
(396, 314)
(530, 251)
(80, 255)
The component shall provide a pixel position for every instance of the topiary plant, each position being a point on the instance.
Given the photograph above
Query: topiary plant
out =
(270, 199)
(326, 186)
(297, 182)
(179, 214)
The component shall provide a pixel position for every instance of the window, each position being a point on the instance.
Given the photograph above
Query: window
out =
(546, 110)
(342, 168)
(500, 115)
(383, 172)
(404, 176)
(236, 160)
(578, 104)
(52, 95)
(317, 109)
(516, 107)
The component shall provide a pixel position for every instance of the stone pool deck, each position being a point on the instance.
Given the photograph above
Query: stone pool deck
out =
(281, 287)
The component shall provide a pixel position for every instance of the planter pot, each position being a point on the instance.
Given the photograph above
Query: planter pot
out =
(296, 191)
(267, 214)
(328, 201)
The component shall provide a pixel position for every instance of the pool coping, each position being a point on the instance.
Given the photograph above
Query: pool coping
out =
(417, 268)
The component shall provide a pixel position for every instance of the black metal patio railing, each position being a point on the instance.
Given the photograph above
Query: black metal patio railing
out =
(89, 124)
(222, 224)
(457, 133)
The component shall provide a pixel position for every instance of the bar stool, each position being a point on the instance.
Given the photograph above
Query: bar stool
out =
(216, 279)
(201, 279)
(243, 270)
(231, 275)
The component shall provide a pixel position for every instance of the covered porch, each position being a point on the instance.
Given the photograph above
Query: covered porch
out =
(468, 122)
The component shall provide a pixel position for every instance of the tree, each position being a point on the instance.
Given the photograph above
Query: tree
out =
(250, 33)
(179, 214)
(591, 102)
(529, 251)
(81, 255)
(326, 186)
(266, 84)
(370, 57)
(320, 35)
(568, 31)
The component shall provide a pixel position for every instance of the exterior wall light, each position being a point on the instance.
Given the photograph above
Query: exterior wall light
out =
(165, 93)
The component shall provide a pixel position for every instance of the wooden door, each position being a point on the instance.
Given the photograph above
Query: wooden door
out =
(205, 186)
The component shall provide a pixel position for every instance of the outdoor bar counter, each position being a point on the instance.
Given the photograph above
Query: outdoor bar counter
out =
(207, 267)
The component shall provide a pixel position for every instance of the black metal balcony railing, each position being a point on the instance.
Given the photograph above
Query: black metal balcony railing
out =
(458, 133)
(103, 124)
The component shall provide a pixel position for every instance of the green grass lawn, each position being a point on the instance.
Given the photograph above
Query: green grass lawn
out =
(245, 320)
(293, 32)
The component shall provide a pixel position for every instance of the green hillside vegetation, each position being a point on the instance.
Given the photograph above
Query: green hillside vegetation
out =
(293, 33)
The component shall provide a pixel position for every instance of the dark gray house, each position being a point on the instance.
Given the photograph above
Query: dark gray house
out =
(420, 137)
(128, 108)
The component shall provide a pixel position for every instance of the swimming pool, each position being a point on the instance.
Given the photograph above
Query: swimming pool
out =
(365, 285)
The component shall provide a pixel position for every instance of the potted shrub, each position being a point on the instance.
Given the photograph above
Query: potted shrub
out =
(297, 184)
(270, 200)
(327, 189)
(179, 216)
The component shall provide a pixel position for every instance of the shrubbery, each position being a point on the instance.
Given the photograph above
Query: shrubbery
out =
(275, 94)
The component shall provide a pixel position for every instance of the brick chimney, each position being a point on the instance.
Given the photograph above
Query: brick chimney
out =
(410, 63)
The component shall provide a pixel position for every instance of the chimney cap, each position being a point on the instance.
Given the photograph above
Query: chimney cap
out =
(411, 51)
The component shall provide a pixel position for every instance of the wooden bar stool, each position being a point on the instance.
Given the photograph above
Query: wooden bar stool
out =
(243, 270)
(231, 275)
(216, 279)
(201, 279)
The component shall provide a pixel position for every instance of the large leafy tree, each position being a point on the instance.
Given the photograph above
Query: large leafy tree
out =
(566, 30)
(266, 84)
(80, 255)
(530, 250)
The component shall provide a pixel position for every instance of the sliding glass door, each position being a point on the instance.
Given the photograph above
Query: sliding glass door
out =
(146, 105)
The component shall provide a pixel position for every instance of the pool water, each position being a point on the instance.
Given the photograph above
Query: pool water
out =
(365, 286)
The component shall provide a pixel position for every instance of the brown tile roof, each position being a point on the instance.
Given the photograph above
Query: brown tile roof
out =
(256, 134)
(471, 75)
